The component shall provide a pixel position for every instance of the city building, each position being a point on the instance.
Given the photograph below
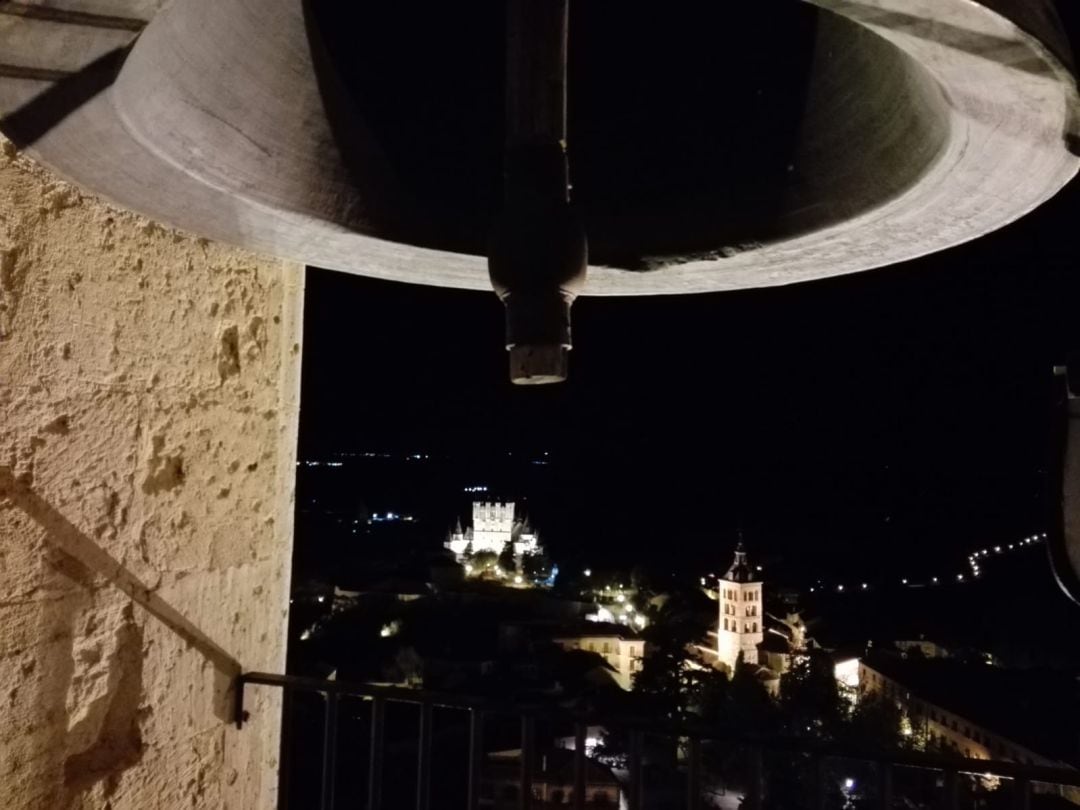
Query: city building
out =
(494, 524)
(150, 376)
(925, 647)
(741, 626)
(980, 711)
(620, 647)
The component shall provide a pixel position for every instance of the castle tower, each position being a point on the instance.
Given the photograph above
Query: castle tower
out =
(458, 541)
(741, 626)
(493, 523)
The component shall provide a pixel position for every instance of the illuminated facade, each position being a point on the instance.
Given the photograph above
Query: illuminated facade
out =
(741, 627)
(494, 524)
(958, 709)
(622, 652)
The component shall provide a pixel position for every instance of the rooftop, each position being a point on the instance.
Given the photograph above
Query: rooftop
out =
(740, 570)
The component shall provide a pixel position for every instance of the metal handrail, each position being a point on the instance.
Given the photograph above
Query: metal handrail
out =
(1021, 775)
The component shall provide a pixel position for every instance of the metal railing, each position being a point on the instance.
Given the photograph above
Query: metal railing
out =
(949, 770)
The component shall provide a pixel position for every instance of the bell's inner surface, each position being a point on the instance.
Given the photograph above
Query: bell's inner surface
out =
(710, 128)
(712, 146)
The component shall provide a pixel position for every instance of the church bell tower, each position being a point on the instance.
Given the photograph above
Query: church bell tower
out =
(741, 626)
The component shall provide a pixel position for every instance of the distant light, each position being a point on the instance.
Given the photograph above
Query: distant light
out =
(865, 586)
(620, 598)
(468, 568)
(1010, 546)
(903, 582)
(959, 577)
(518, 580)
(321, 599)
(703, 581)
(839, 587)
(758, 567)
(388, 630)
(811, 589)
(849, 783)
(305, 635)
(588, 572)
(997, 549)
(934, 580)
(639, 620)
(601, 615)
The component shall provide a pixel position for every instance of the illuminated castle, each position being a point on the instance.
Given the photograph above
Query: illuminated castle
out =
(493, 526)
(741, 627)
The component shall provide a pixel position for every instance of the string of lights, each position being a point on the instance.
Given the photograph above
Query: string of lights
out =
(973, 572)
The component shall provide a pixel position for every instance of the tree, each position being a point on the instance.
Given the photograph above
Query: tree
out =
(670, 682)
(876, 723)
(507, 560)
(750, 709)
(536, 566)
(810, 699)
(660, 680)
(640, 579)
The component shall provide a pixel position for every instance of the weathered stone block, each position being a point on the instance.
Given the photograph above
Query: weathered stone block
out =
(148, 405)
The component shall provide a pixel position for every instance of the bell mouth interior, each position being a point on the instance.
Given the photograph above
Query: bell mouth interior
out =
(711, 128)
(713, 146)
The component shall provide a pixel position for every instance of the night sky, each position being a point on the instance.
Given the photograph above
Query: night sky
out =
(865, 421)
(906, 407)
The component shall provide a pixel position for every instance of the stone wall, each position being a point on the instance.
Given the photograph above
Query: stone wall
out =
(148, 414)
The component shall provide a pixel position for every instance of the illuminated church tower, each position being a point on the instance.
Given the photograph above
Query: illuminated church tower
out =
(741, 626)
